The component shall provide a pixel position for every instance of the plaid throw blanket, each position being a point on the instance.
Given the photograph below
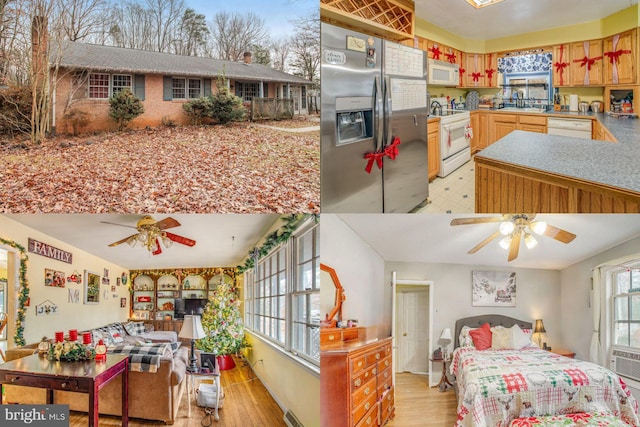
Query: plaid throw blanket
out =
(144, 358)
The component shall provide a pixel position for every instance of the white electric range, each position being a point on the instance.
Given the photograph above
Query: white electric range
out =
(455, 147)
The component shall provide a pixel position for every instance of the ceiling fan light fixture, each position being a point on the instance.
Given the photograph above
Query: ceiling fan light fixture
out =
(166, 241)
(132, 241)
(482, 3)
(530, 241)
(505, 242)
(538, 227)
(507, 227)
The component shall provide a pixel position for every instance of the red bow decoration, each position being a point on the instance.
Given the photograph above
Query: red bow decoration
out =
(476, 76)
(392, 150)
(614, 56)
(490, 72)
(451, 57)
(436, 52)
(588, 61)
(373, 157)
(462, 71)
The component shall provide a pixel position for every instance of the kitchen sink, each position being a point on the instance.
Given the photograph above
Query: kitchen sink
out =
(524, 110)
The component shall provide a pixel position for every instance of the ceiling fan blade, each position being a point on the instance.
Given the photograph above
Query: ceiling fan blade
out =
(158, 250)
(181, 239)
(123, 240)
(115, 223)
(514, 247)
(477, 220)
(167, 223)
(559, 234)
(484, 243)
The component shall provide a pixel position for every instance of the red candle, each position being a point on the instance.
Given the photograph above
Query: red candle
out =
(59, 336)
(73, 335)
(86, 338)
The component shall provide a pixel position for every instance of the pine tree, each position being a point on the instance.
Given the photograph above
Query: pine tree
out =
(222, 322)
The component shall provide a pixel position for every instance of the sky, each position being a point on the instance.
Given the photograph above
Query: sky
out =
(275, 13)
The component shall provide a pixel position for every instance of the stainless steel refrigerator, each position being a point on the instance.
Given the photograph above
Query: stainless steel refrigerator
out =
(374, 96)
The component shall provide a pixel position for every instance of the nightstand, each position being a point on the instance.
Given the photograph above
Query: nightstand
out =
(566, 353)
(444, 383)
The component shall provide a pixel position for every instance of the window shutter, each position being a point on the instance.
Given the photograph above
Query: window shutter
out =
(138, 86)
(239, 89)
(168, 88)
(207, 87)
(265, 89)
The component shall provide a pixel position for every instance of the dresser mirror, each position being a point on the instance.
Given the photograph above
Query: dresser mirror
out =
(331, 302)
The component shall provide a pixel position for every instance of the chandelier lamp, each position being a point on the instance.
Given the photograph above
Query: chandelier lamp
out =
(518, 225)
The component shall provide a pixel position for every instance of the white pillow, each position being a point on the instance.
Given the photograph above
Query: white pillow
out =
(501, 339)
(465, 340)
(520, 338)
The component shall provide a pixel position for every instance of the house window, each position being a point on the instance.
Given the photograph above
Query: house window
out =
(303, 93)
(99, 86)
(283, 295)
(247, 91)
(626, 307)
(179, 88)
(121, 82)
(195, 88)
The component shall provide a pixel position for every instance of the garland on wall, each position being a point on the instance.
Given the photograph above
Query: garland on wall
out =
(291, 223)
(23, 294)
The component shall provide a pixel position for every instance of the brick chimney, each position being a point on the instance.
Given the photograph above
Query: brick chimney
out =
(39, 48)
(247, 58)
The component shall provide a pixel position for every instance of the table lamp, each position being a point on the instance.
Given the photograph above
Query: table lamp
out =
(539, 329)
(444, 340)
(192, 329)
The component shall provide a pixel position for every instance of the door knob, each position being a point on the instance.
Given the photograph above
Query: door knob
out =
(404, 335)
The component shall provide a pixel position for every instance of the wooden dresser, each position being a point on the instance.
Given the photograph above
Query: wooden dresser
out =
(356, 384)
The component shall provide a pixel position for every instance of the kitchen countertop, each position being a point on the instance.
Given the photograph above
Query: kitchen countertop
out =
(614, 164)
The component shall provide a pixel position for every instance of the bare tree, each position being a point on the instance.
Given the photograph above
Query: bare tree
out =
(280, 50)
(305, 47)
(165, 17)
(80, 19)
(232, 34)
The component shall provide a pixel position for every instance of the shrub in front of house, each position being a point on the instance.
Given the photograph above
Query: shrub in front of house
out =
(226, 107)
(15, 110)
(124, 106)
(199, 108)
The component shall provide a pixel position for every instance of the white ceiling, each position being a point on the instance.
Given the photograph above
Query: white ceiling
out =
(430, 239)
(512, 17)
(222, 240)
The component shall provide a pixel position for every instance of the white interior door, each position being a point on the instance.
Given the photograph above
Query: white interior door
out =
(413, 333)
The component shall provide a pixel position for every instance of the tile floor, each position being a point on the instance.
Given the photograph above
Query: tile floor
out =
(454, 193)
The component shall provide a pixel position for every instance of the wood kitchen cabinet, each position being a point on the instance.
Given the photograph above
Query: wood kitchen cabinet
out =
(586, 63)
(601, 133)
(501, 125)
(474, 75)
(532, 123)
(356, 385)
(433, 147)
(619, 58)
(479, 124)
(561, 65)
(491, 70)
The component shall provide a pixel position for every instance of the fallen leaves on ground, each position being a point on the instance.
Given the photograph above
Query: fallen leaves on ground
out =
(296, 122)
(222, 169)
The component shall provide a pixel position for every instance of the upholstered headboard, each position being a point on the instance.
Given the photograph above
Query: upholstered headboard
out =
(491, 319)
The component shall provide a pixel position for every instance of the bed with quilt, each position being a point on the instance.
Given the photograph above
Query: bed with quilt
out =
(502, 376)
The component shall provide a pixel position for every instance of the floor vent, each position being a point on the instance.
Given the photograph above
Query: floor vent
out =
(291, 420)
(626, 364)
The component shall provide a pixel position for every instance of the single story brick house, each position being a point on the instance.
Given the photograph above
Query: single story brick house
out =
(89, 74)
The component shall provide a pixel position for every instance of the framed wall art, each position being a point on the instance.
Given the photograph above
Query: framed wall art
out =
(54, 278)
(493, 288)
(91, 287)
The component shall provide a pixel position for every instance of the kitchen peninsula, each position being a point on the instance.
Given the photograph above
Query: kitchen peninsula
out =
(535, 172)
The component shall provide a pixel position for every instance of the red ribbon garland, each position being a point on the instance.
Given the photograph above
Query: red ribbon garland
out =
(588, 61)
(560, 66)
(614, 56)
(476, 76)
(462, 71)
(390, 151)
(436, 52)
(451, 57)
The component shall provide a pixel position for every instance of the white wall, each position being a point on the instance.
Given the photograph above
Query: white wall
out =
(361, 273)
(538, 295)
(575, 312)
(71, 316)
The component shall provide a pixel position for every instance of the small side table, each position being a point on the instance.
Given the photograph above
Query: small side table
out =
(191, 384)
(444, 383)
(566, 353)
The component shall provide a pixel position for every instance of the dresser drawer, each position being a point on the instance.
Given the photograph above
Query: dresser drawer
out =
(384, 364)
(376, 356)
(358, 363)
(330, 336)
(385, 381)
(370, 418)
(363, 393)
(387, 406)
(362, 378)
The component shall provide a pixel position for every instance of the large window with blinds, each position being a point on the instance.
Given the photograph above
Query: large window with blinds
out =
(626, 307)
(282, 301)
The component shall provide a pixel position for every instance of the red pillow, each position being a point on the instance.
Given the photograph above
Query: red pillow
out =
(481, 337)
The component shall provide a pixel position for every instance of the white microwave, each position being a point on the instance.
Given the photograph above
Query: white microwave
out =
(443, 73)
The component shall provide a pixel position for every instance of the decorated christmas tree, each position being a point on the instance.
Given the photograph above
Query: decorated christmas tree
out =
(222, 321)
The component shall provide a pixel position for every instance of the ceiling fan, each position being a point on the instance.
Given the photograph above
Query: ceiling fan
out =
(513, 228)
(151, 233)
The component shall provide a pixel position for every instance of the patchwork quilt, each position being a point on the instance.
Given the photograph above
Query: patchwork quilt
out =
(498, 386)
(146, 357)
(580, 420)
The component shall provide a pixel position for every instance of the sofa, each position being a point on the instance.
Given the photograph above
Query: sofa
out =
(152, 395)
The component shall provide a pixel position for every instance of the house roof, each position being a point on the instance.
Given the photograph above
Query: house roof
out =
(118, 59)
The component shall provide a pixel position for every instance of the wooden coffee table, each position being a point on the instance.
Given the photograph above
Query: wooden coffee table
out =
(82, 377)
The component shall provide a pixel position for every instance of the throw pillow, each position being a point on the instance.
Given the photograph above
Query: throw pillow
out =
(502, 339)
(116, 337)
(481, 337)
(465, 340)
(520, 338)
(134, 328)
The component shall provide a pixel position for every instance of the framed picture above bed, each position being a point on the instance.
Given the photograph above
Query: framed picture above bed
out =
(493, 288)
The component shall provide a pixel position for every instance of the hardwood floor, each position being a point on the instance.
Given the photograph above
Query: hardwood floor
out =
(247, 403)
(417, 404)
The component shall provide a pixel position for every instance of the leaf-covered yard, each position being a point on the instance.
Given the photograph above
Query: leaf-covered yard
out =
(239, 168)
